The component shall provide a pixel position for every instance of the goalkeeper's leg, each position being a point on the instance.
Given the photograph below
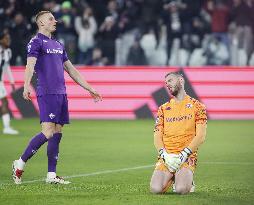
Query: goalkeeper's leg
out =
(183, 180)
(160, 181)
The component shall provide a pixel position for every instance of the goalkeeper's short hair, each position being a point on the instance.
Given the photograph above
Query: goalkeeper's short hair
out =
(176, 73)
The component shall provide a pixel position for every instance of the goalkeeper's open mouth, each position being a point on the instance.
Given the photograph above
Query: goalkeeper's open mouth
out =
(170, 88)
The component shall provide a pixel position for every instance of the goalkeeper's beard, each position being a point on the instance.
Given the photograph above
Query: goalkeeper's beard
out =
(176, 90)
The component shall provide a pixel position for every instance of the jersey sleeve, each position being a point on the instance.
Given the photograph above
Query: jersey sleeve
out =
(159, 123)
(200, 113)
(34, 47)
(65, 56)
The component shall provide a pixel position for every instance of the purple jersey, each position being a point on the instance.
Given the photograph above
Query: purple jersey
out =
(49, 67)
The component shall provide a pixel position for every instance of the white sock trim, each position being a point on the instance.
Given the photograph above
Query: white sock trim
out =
(51, 175)
(21, 164)
(6, 120)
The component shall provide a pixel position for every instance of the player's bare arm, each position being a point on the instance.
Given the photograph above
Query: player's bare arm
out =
(31, 61)
(13, 87)
(76, 76)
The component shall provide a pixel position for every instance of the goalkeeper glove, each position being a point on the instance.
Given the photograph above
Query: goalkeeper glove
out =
(172, 161)
(184, 154)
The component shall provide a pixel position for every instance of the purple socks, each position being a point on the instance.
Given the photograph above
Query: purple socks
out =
(52, 151)
(33, 146)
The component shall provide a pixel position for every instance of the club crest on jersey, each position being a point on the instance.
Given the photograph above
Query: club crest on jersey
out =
(189, 105)
(52, 116)
(157, 120)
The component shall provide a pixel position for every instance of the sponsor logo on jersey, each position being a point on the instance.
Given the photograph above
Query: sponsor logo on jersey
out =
(54, 51)
(179, 118)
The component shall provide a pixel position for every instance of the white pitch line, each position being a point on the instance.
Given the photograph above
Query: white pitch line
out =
(96, 173)
(89, 174)
(128, 169)
(228, 163)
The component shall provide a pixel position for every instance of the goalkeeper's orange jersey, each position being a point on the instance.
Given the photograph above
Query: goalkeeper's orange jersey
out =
(177, 121)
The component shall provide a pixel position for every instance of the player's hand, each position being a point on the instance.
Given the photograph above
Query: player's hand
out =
(172, 161)
(96, 96)
(27, 93)
(184, 154)
(13, 87)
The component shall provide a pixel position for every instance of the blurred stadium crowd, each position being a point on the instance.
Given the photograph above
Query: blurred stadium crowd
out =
(139, 32)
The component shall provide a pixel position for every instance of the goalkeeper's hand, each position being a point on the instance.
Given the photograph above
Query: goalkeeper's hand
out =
(172, 161)
(184, 154)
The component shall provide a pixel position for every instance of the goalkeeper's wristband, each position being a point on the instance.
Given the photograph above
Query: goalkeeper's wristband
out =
(187, 150)
(161, 150)
(184, 154)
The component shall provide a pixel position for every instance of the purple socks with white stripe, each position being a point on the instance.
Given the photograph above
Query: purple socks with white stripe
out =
(35, 143)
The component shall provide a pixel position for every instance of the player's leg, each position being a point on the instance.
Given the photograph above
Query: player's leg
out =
(160, 181)
(183, 180)
(7, 129)
(53, 151)
(5, 113)
(53, 144)
(48, 129)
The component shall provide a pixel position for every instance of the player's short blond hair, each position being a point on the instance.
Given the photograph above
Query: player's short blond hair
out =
(39, 14)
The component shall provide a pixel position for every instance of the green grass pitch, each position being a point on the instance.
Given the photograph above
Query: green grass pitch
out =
(110, 162)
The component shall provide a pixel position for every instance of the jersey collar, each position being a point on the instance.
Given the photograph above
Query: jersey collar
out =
(42, 36)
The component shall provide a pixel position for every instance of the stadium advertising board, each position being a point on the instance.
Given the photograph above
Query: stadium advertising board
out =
(136, 92)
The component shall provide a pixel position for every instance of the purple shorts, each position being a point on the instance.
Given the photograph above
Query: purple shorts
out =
(53, 108)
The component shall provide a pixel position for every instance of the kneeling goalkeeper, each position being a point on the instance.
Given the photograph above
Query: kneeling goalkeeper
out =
(179, 130)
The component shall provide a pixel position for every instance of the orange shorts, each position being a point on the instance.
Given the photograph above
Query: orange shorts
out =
(191, 164)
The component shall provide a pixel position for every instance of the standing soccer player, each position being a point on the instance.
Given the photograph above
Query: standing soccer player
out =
(179, 131)
(5, 56)
(47, 57)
